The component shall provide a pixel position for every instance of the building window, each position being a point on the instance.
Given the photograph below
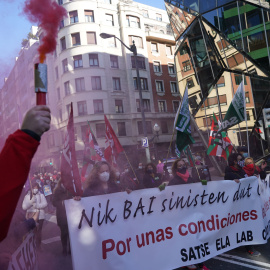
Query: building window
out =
(146, 105)
(96, 83)
(186, 66)
(138, 41)
(84, 132)
(121, 126)
(100, 130)
(140, 62)
(89, 16)
(116, 84)
(190, 83)
(159, 17)
(91, 37)
(171, 69)
(68, 108)
(60, 115)
(56, 73)
(76, 39)
(77, 60)
(157, 66)
(174, 88)
(213, 102)
(63, 43)
(93, 60)
(175, 105)
(82, 108)
(65, 65)
(73, 15)
(148, 127)
(107, 1)
(159, 86)
(221, 82)
(60, 2)
(144, 84)
(119, 106)
(164, 127)
(238, 79)
(247, 97)
(98, 106)
(169, 50)
(58, 94)
(109, 19)
(133, 21)
(80, 85)
(145, 13)
(154, 47)
(162, 106)
(62, 24)
(111, 42)
(114, 61)
(67, 88)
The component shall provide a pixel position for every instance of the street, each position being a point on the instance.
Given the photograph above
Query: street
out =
(51, 257)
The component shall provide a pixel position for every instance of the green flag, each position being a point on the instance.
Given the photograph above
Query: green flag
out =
(182, 125)
(237, 110)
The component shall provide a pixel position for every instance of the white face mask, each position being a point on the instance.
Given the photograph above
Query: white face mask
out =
(126, 170)
(35, 190)
(117, 174)
(140, 167)
(104, 177)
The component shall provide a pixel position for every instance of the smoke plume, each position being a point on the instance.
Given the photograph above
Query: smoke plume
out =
(48, 15)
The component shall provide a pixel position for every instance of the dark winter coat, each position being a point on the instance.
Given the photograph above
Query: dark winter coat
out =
(230, 174)
(151, 182)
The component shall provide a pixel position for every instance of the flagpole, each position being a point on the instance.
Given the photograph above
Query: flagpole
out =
(243, 82)
(195, 164)
(131, 167)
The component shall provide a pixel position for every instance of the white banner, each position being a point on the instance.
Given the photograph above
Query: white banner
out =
(152, 229)
(25, 257)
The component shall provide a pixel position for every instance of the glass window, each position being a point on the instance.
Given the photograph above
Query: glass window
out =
(80, 85)
(96, 83)
(56, 73)
(146, 105)
(91, 37)
(111, 42)
(133, 21)
(238, 79)
(68, 108)
(60, 2)
(138, 41)
(89, 16)
(98, 106)
(73, 15)
(159, 17)
(121, 126)
(100, 130)
(67, 88)
(171, 68)
(63, 43)
(116, 84)
(119, 106)
(190, 83)
(154, 47)
(78, 61)
(169, 50)
(62, 24)
(148, 127)
(144, 83)
(107, 1)
(162, 106)
(175, 105)
(114, 61)
(247, 97)
(140, 61)
(145, 13)
(109, 19)
(174, 87)
(93, 60)
(157, 66)
(159, 86)
(82, 108)
(186, 65)
(76, 39)
(221, 82)
(84, 132)
(164, 127)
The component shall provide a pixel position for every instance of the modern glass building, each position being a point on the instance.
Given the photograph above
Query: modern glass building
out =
(219, 44)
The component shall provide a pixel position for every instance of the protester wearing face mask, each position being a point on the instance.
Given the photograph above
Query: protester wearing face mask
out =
(151, 178)
(251, 169)
(34, 201)
(101, 180)
(180, 173)
(140, 173)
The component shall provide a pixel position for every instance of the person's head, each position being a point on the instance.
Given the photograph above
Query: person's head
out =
(159, 161)
(178, 165)
(127, 168)
(239, 157)
(102, 172)
(150, 168)
(35, 187)
(140, 165)
(232, 159)
(249, 161)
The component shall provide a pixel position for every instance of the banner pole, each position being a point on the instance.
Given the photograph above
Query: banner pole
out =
(170, 146)
(243, 82)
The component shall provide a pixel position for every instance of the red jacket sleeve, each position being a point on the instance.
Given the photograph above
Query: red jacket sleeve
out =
(15, 161)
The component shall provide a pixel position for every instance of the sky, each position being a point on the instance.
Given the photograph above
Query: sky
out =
(15, 27)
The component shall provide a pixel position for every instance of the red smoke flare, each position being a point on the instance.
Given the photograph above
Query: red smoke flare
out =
(48, 14)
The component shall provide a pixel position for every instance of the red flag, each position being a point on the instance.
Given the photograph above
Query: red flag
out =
(113, 146)
(69, 168)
